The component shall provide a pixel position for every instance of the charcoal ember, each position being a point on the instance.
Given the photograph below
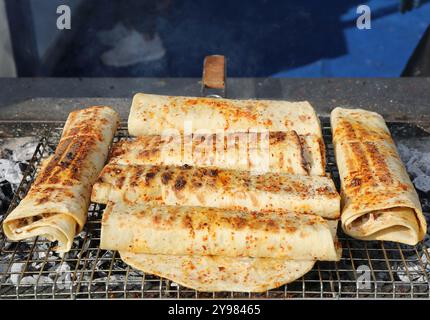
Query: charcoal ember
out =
(411, 265)
(18, 149)
(422, 182)
(11, 173)
(425, 202)
(104, 262)
(415, 153)
(41, 254)
(413, 270)
(6, 195)
(427, 217)
(404, 152)
(6, 189)
(63, 276)
(7, 154)
(25, 151)
(15, 270)
(20, 275)
(14, 156)
(23, 166)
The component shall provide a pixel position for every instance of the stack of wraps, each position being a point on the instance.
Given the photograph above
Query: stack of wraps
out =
(220, 195)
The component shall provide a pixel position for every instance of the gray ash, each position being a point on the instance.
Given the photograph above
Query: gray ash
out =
(415, 153)
(15, 153)
(6, 194)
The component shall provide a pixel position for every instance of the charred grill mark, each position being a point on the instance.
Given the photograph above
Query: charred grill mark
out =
(120, 182)
(64, 164)
(156, 219)
(360, 156)
(276, 137)
(188, 224)
(54, 180)
(49, 169)
(143, 154)
(355, 182)
(348, 129)
(84, 130)
(238, 222)
(148, 152)
(134, 179)
(149, 176)
(360, 171)
(246, 181)
(68, 159)
(197, 184)
(165, 177)
(118, 150)
(180, 183)
(42, 200)
(213, 172)
(361, 129)
(272, 225)
(68, 183)
(323, 190)
(378, 160)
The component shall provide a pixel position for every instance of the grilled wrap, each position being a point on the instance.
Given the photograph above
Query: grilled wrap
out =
(216, 273)
(379, 201)
(57, 202)
(204, 231)
(260, 152)
(212, 187)
(154, 114)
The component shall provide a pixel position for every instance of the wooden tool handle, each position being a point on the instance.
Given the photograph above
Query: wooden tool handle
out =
(214, 72)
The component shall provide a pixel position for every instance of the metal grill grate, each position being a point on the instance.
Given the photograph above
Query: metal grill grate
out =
(30, 269)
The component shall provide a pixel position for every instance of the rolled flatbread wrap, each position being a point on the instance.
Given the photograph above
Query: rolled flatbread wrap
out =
(56, 205)
(217, 188)
(285, 152)
(379, 201)
(154, 114)
(217, 273)
(204, 231)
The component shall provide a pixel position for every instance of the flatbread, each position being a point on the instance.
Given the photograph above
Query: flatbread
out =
(217, 188)
(57, 202)
(284, 152)
(209, 231)
(154, 114)
(379, 201)
(215, 273)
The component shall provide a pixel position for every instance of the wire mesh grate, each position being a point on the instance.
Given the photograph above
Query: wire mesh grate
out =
(32, 270)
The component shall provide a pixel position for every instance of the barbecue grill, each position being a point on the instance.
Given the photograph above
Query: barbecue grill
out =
(368, 269)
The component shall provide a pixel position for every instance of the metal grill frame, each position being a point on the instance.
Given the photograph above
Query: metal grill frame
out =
(97, 273)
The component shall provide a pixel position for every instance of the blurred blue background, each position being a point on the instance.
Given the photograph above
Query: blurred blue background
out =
(260, 38)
